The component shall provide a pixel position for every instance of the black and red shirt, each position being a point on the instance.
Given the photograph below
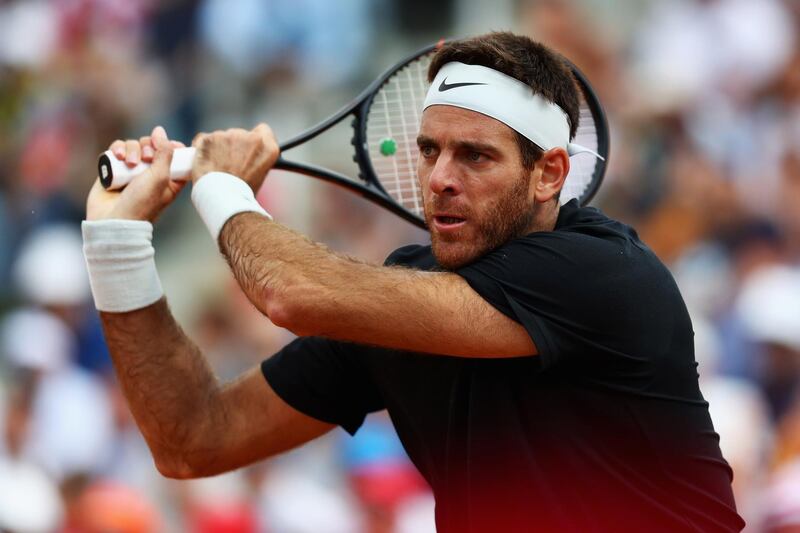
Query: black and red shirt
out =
(604, 430)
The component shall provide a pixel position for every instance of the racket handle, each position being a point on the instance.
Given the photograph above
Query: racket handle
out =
(115, 174)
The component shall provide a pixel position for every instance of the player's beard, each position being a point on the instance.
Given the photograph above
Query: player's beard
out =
(507, 217)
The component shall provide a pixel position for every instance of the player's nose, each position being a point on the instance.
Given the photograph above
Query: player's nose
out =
(444, 177)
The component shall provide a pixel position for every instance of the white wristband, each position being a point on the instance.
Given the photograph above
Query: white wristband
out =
(121, 264)
(218, 196)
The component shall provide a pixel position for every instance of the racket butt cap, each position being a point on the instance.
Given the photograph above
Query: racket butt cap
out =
(105, 171)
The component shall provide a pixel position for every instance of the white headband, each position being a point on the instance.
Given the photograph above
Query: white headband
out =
(506, 99)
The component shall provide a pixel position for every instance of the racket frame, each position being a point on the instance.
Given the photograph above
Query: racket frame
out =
(601, 127)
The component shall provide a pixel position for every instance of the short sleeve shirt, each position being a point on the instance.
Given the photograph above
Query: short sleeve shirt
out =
(604, 430)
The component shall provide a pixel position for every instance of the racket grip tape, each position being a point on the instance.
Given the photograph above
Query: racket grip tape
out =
(115, 174)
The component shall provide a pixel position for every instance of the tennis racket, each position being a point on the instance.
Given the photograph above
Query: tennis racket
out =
(386, 120)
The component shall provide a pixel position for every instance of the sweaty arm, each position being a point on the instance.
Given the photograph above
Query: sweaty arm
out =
(194, 425)
(306, 288)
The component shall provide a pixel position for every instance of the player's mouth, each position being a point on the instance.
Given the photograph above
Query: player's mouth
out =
(448, 223)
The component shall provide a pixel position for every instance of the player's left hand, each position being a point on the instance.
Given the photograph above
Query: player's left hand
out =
(145, 197)
(246, 154)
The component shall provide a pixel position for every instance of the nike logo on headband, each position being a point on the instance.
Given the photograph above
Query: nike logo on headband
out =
(446, 87)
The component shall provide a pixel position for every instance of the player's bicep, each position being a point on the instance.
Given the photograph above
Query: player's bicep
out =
(256, 423)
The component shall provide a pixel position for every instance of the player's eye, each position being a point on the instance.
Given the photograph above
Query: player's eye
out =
(427, 150)
(476, 157)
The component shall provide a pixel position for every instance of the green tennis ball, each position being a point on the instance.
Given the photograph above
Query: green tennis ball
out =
(388, 147)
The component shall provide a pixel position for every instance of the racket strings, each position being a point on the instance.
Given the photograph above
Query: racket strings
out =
(394, 117)
(395, 173)
(412, 127)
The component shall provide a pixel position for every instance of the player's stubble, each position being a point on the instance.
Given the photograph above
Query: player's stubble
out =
(508, 216)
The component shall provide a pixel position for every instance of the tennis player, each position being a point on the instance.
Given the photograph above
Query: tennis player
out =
(536, 360)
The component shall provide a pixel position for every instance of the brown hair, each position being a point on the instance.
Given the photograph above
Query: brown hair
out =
(532, 63)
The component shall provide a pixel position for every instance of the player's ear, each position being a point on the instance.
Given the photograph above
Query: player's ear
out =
(553, 168)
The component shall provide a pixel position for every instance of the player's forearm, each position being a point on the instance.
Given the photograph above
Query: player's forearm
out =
(310, 290)
(167, 382)
(274, 264)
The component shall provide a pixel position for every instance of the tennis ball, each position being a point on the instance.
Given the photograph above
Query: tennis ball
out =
(388, 146)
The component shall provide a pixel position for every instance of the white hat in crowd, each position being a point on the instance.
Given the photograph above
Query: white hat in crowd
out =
(50, 268)
(35, 339)
(29, 500)
(769, 305)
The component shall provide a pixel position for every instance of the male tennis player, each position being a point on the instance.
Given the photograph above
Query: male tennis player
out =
(536, 360)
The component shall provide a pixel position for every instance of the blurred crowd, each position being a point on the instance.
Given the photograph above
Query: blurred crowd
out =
(703, 99)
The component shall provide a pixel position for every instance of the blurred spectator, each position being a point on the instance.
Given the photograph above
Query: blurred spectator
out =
(50, 272)
(304, 492)
(741, 418)
(20, 20)
(769, 307)
(300, 39)
(782, 501)
(69, 429)
(691, 51)
(104, 507)
(50, 269)
(29, 499)
(382, 476)
(223, 517)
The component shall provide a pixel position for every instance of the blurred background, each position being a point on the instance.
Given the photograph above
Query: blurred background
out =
(703, 98)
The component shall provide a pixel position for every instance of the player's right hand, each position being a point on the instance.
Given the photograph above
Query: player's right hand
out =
(246, 154)
(146, 196)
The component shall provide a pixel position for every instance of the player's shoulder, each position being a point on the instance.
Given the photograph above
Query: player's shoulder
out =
(412, 255)
(575, 220)
(584, 239)
(586, 231)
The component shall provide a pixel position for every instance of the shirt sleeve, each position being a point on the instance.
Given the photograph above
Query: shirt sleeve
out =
(576, 296)
(325, 379)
